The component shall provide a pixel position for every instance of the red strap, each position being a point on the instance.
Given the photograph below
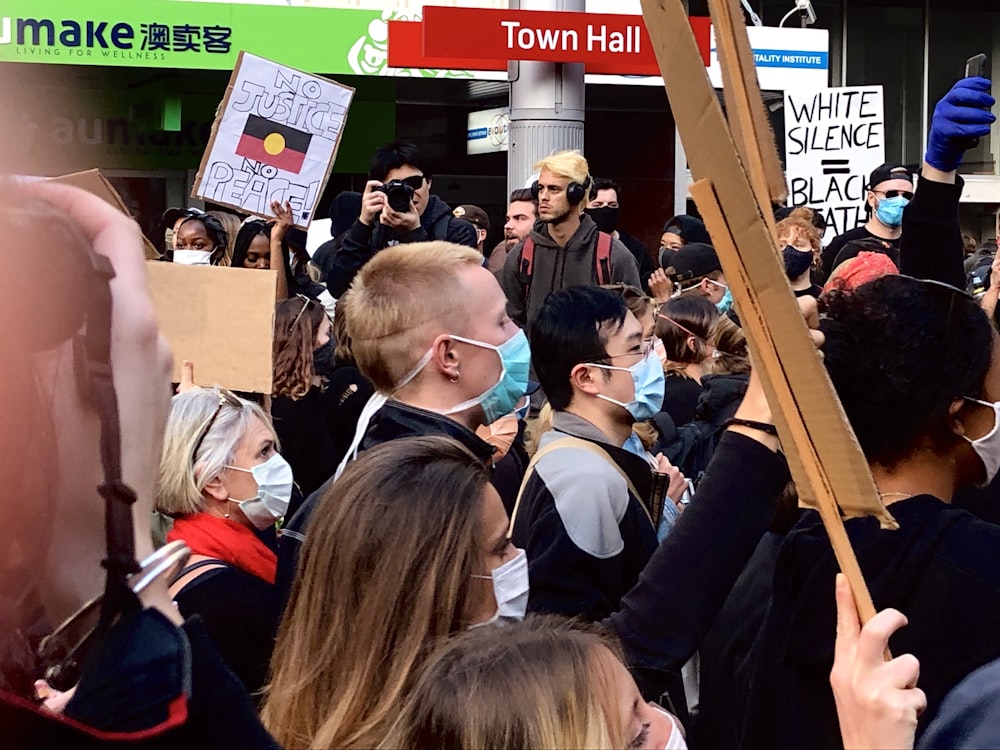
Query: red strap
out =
(527, 265)
(603, 258)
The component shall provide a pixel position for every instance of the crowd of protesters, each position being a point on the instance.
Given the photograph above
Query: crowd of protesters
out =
(395, 548)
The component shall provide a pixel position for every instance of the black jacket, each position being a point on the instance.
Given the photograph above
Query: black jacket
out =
(643, 260)
(587, 537)
(666, 616)
(362, 241)
(941, 569)
(393, 421)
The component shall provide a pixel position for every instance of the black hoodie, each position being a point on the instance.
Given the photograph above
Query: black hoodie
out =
(941, 569)
(362, 241)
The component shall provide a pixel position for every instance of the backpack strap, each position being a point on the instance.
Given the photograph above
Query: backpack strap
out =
(527, 266)
(603, 259)
(573, 442)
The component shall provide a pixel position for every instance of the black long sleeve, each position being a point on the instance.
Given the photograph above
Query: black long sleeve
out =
(931, 245)
(355, 251)
(665, 616)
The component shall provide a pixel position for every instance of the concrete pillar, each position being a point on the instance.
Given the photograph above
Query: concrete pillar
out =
(546, 104)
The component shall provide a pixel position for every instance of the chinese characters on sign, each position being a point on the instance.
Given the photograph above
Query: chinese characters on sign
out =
(186, 38)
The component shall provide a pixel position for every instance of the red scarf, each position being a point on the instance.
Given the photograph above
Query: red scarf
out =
(226, 540)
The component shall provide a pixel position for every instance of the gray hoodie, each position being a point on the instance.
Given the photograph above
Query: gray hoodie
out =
(556, 268)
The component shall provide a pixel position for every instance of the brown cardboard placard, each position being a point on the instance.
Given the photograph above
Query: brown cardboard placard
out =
(94, 181)
(827, 464)
(230, 176)
(221, 319)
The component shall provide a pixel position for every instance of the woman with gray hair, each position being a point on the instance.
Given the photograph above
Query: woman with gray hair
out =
(223, 481)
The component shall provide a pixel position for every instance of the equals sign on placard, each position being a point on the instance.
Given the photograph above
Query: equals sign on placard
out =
(836, 166)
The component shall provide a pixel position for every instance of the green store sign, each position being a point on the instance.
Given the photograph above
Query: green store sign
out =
(197, 35)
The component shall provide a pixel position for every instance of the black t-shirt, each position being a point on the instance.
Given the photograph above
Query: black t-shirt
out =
(306, 442)
(240, 612)
(831, 251)
(680, 398)
(814, 290)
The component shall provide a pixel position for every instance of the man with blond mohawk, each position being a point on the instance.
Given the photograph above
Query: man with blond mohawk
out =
(565, 248)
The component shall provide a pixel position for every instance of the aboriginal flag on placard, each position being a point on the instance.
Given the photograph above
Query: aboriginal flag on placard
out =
(274, 144)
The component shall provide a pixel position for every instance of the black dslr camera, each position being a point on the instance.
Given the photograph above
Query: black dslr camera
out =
(398, 194)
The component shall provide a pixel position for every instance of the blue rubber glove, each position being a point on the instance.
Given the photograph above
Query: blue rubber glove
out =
(961, 115)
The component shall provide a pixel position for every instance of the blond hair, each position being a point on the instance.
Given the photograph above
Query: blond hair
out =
(386, 570)
(570, 165)
(538, 684)
(182, 474)
(399, 301)
(799, 224)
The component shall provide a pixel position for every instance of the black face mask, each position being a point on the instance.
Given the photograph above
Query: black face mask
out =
(797, 262)
(323, 359)
(606, 218)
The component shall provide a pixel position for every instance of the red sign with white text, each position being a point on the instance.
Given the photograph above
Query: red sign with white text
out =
(604, 43)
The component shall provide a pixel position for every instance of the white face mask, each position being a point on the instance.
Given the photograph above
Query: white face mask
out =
(988, 446)
(676, 741)
(274, 491)
(193, 257)
(510, 587)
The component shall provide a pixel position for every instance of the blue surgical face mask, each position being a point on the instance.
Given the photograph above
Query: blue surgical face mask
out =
(725, 304)
(499, 400)
(648, 382)
(890, 210)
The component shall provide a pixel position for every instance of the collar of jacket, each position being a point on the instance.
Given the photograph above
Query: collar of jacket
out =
(398, 420)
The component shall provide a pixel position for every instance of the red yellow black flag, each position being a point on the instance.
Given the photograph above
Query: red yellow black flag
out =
(273, 143)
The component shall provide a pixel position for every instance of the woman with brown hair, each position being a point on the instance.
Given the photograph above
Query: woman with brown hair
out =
(300, 405)
(684, 325)
(410, 548)
(538, 684)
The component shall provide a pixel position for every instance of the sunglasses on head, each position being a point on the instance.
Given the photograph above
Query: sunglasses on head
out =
(306, 301)
(225, 397)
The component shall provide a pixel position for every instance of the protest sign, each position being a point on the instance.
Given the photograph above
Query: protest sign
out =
(834, 138)
(94, 181)
(826, 462)
(222, 319)
(275, 139)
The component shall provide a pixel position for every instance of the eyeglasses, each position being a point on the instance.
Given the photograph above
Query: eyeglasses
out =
(306, 301)
(415, 181)
(644, 350)
(225, 397)
(946, 294)
(908, 194)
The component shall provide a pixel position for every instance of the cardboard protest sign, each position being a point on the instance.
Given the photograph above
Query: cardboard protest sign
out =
(275, 138)
(834, 138)
(827, 464)
(221, 319)
(93, 181)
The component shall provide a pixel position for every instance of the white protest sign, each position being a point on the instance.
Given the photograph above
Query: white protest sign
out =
(276, 138)
(834, 138)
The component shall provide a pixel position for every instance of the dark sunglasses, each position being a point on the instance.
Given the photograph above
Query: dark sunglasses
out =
(946, 297)
(908, 194)
(225, 397)
(415, 182)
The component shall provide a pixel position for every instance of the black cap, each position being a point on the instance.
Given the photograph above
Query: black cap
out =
(891, 170)
(693, 261)
(689, 228)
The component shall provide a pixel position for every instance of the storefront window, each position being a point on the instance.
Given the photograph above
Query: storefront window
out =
(885, 45)
(957, 33)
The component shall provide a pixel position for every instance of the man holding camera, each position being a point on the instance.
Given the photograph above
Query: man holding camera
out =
(396, 208)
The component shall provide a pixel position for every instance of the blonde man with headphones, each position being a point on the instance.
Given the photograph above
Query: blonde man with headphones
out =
(564, 248)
